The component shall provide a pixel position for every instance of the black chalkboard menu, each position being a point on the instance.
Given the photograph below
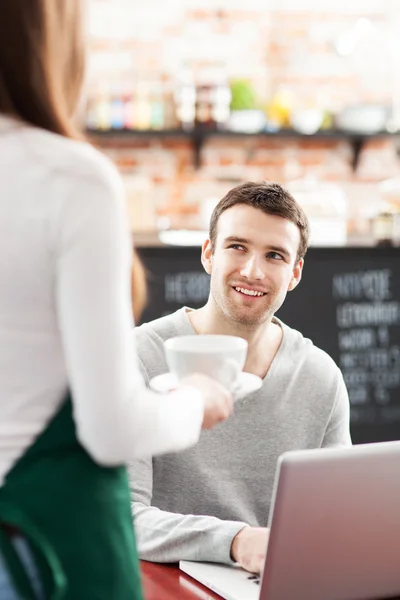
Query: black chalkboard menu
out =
(348, 304)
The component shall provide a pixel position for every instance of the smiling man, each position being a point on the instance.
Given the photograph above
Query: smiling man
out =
(211, 503)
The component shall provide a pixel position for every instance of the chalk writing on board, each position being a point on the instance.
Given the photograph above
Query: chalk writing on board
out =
(366, 314)
(187, 287)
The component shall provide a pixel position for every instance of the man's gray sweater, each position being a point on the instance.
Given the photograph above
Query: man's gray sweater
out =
(191, 505)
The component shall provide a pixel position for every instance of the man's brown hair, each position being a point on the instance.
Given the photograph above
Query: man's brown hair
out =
(272, 199)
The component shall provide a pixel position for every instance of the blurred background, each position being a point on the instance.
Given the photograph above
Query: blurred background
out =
(191, 97)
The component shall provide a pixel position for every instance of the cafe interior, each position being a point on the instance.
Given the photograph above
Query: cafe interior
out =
(192, 98)
(296, 495)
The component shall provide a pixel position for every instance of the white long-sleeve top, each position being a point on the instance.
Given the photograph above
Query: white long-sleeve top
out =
(65, 308)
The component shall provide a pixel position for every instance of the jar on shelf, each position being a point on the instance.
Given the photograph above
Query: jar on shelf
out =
(382, 228)
(389, 191)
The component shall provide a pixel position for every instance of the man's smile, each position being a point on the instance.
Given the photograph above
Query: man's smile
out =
(249, 292)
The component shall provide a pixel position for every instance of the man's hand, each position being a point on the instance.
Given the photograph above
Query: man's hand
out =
(249, 548)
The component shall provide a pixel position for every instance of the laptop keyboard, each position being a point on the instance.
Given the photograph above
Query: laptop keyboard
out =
(254, 578)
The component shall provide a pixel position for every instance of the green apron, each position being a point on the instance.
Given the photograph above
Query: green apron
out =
(76, 517)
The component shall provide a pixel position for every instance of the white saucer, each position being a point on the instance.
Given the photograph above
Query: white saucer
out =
(246, 384)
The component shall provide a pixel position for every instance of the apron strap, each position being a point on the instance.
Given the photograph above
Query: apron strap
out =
(40, 545)
(16, 568)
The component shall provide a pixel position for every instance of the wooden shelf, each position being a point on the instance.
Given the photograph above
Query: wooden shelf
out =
(199, 136)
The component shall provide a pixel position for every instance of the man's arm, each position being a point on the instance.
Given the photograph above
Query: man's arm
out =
(169, 537)
(338, 429)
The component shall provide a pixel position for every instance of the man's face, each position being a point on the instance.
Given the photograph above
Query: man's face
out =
(253, 265)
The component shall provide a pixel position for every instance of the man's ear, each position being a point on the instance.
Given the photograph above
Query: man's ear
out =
(296, 276)
(206, 256)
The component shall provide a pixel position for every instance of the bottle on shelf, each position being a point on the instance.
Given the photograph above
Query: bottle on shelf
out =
(204, 106)
(129, 106)
(117, 108)
(185, 100)
(157, 113)
(90, 115)
(221, 100)
(170, 115)
(102, 111)
(142, 115)
(213, 97)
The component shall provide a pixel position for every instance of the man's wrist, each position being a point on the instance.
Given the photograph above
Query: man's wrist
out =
(235, 543)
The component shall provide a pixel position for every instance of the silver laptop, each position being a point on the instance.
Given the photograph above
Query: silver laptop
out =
(335, 530)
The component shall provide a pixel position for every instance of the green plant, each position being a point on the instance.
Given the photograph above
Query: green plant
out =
(243, 95)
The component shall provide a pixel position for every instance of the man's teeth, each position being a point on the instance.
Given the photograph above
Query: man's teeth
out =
(249, 292)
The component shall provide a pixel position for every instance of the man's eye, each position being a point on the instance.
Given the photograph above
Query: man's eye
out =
(275, 255)
(236, 247)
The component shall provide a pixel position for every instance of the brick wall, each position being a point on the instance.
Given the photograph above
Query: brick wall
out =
(317, 51)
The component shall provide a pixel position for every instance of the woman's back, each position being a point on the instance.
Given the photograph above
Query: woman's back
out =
(65, 306)
(73, 404)
(45, 182)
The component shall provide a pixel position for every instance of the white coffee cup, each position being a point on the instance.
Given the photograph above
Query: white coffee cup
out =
(221, 357)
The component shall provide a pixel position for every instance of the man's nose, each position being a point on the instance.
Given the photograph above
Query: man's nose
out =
(252, 269)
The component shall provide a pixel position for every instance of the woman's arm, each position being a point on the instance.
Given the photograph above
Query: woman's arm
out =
(117, 417)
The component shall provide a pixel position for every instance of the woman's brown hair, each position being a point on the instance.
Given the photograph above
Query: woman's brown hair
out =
(42, 58)
(138, 287)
